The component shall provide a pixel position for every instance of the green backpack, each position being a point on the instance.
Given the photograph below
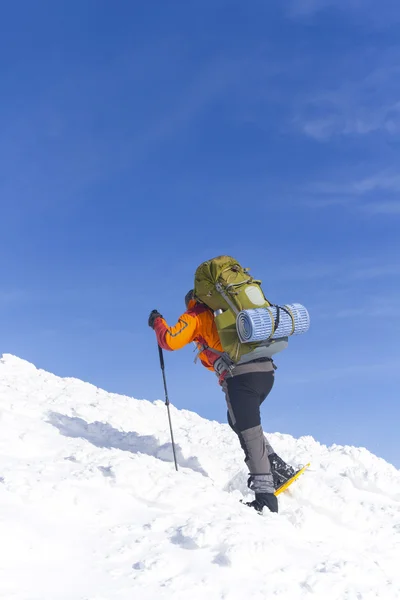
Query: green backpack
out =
(227, 288)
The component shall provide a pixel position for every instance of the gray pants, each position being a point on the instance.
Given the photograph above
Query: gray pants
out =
(245, 391)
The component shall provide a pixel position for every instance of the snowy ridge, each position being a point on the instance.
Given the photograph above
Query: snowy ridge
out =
(92, 509)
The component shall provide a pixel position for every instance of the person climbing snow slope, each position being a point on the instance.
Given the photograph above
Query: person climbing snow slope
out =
(246, 385)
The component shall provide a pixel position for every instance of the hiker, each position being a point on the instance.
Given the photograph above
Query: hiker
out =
(246, 384)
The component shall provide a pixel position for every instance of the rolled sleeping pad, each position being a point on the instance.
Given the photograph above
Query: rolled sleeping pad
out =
(257, 325)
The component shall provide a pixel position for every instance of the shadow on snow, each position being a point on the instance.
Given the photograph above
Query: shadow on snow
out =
(103, 435)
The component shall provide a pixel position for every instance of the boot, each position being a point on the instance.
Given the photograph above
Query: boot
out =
(281, 471)
(264, 499)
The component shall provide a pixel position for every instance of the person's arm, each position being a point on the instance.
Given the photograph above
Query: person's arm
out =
(178, 336)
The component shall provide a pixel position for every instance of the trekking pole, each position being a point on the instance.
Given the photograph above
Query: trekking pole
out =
(167, 403)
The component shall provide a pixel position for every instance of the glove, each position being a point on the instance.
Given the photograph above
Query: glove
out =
(153, 316)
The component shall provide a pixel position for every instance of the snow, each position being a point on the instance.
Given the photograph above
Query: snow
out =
(91, 507)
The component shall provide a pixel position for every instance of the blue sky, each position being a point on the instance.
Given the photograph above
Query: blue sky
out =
(139, 139)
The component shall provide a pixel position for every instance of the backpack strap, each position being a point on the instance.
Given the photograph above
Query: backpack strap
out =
(278, 317)
(220, 288)
(276, 321)
(288, 311)
(204, 347)
(224, 358)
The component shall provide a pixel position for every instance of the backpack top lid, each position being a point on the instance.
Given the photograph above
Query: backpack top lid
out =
(234, 283)
(207, 276)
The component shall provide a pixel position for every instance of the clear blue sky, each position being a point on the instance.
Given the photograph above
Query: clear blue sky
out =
(140, 138)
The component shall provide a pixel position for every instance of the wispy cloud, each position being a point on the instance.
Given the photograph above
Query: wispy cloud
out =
(373, 194)
(384, 13)
(352, 118)
(383, 181)
(373, 270)
(364, 308)
(342, 271)
(362, 311)
(391, 207)
(364, 102)
(389, 367)
(349, 112)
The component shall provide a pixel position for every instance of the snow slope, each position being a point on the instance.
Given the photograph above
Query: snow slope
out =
(91, 507)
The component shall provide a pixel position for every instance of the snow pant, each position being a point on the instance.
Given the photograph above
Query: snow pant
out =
(245, 391)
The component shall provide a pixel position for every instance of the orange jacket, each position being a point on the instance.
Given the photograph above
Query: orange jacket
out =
(195, 325)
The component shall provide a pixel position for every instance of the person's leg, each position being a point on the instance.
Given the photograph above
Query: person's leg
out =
(234, 428)
(243, 394)
(281, 471)
(265, 392)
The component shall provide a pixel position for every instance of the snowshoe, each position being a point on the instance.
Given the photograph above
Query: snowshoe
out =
(284, 486)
